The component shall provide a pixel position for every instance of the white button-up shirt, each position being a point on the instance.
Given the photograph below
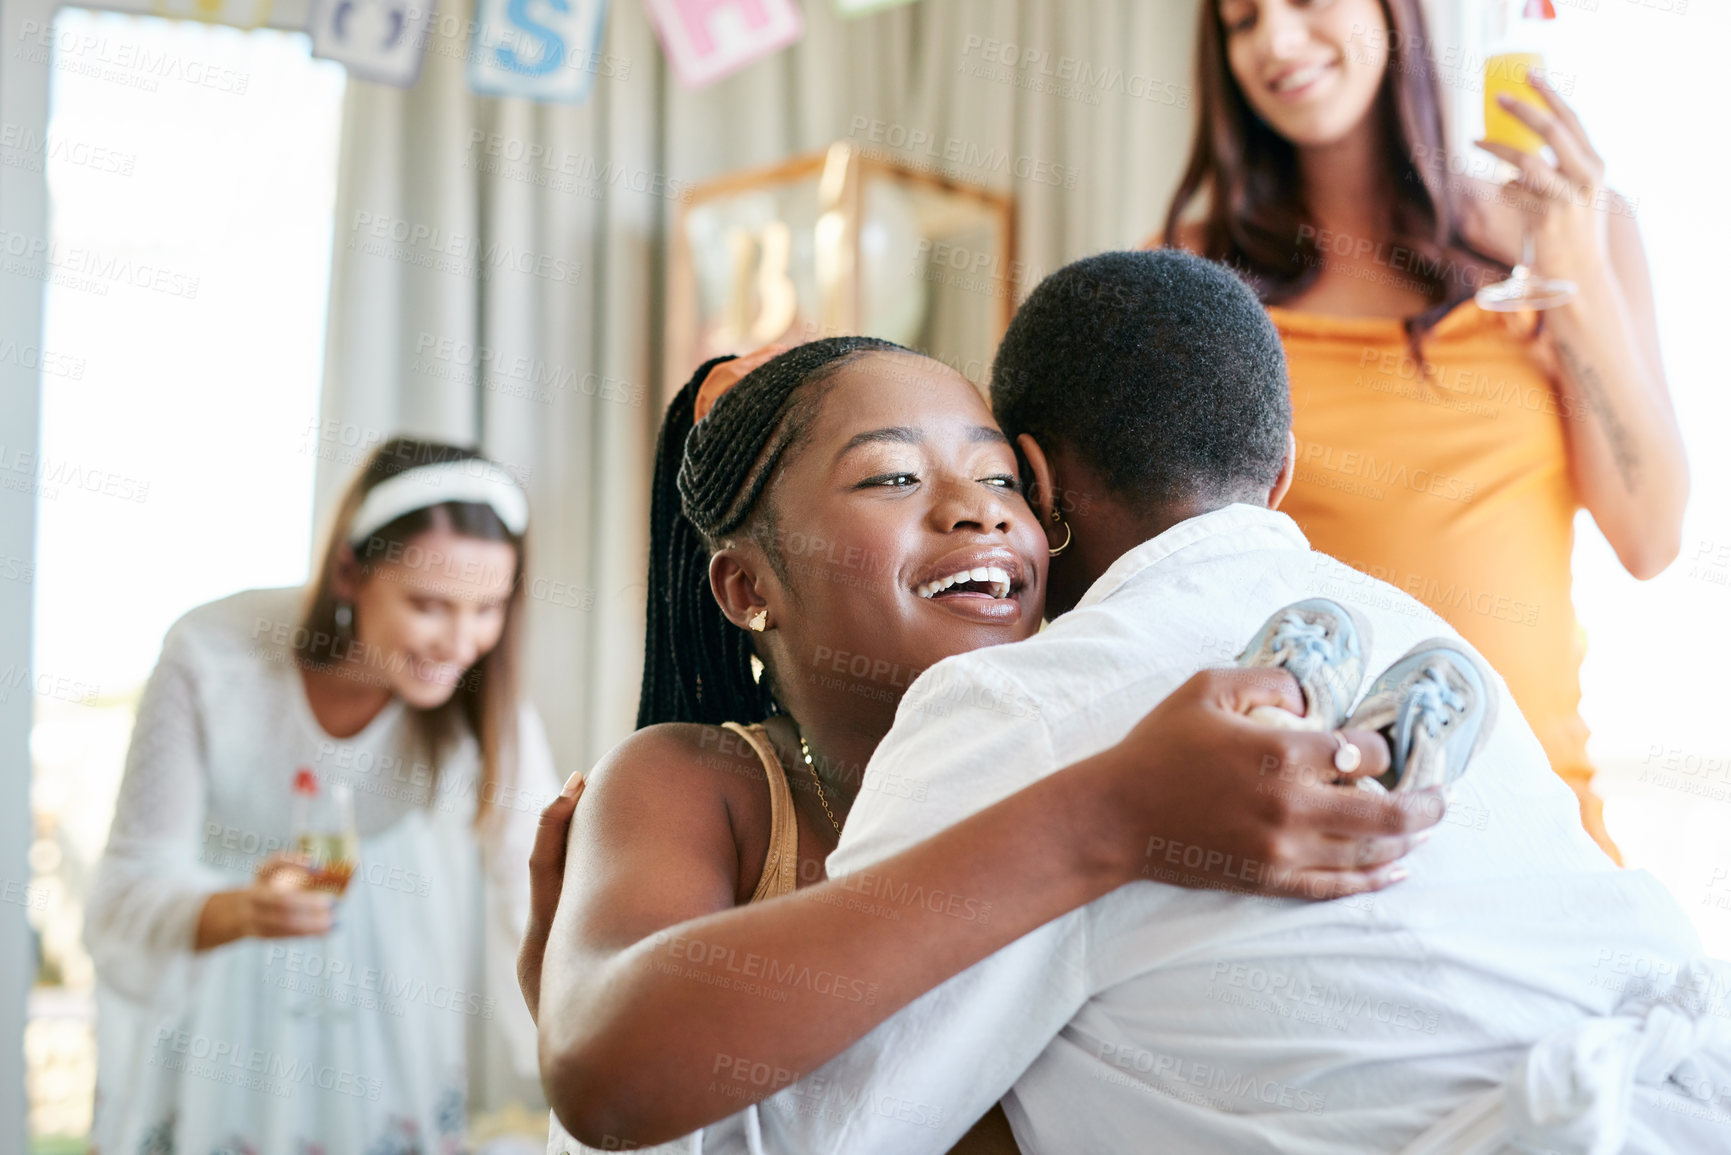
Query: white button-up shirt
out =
(1166, 1019)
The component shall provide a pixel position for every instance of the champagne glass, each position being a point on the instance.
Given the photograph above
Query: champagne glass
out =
(324, 828)
(1514, 48)
(324, 834)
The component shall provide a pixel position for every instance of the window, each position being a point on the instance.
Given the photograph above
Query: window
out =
(1653, 683)
(192, 179)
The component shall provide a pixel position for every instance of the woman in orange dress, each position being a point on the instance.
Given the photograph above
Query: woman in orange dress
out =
(1442, 448)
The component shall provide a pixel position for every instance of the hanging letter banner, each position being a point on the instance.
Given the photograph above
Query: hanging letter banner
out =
(863, 7)
(707, 39)
(239, 13)
(539, 49)
(377, 40)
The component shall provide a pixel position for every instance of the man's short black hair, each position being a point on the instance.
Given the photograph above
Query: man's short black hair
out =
(1159, 367)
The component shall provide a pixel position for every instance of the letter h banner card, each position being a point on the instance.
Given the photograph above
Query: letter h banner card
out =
(377, 40)
(708, 39)
(538, 49)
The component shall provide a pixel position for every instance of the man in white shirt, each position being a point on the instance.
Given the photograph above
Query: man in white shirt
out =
(1517, 987)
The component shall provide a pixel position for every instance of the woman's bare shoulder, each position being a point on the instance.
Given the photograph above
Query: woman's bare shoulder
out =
(693, 797)
(682, 757)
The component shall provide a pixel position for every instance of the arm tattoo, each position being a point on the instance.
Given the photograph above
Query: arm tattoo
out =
(1593, 393)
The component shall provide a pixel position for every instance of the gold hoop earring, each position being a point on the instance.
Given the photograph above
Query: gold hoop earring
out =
(1069, 535)
(759, 621)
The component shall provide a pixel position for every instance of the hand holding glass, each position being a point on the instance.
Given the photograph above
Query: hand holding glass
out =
(1506, 74)
(324, 826)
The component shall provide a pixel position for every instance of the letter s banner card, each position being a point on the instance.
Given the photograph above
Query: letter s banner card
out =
(537, 49)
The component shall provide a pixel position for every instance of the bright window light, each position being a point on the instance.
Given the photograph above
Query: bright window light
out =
(1653, 680)
(192, 191)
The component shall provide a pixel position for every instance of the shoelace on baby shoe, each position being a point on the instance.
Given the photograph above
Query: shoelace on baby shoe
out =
(1302, 645)
(1426, 701)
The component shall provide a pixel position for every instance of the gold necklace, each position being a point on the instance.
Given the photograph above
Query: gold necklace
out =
(810, 765)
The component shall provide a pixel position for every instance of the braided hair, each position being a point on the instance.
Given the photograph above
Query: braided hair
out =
(709, 479)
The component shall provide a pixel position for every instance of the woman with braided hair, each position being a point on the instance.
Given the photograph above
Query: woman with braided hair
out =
(845, 516)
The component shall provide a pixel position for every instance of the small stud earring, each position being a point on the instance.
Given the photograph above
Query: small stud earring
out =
(759, 621)
(345, 615)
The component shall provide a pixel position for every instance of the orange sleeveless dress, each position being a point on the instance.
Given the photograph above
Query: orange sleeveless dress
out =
(1450, 480)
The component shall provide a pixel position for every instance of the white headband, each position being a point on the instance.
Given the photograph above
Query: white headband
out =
(429, 485)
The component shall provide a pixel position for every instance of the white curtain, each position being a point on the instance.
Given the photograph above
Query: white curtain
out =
(583, 327)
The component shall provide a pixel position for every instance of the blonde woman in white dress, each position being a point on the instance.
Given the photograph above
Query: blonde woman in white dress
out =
(243, 1008)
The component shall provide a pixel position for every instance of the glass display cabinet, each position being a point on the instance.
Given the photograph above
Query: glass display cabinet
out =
(840, 242)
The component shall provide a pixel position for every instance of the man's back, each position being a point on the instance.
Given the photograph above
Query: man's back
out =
(1201, 1020)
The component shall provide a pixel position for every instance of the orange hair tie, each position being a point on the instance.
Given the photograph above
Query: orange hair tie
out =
(711, 390)
(718, 382)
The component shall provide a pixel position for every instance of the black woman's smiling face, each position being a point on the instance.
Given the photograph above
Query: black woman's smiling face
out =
(900, 526)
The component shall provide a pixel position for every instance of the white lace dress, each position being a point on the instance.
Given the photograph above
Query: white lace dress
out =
(370, 1039)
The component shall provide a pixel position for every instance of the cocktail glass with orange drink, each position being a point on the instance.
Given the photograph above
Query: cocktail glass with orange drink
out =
(1514, 51)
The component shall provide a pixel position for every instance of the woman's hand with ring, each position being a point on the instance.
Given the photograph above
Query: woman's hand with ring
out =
(1210, 797)
(1346, 755)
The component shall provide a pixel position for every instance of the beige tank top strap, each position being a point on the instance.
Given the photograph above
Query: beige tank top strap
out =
(781, 864)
